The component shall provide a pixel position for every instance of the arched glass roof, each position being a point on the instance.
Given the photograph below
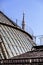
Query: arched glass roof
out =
(13, 40)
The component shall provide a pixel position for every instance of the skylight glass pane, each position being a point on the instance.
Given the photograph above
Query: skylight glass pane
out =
(15, 41)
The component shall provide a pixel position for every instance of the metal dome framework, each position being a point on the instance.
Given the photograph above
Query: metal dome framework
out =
(13, 40)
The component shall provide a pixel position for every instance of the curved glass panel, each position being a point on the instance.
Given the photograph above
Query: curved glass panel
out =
(15, 42)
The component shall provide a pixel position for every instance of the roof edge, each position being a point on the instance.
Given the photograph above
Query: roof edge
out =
(9, 19)
(14, 25)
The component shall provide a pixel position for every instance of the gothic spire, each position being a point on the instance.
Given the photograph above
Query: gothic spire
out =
(23, 23)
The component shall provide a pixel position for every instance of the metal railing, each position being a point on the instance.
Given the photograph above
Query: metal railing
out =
(20, 61)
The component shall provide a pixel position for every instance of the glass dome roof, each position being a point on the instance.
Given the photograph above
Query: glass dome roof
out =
(13, 40)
